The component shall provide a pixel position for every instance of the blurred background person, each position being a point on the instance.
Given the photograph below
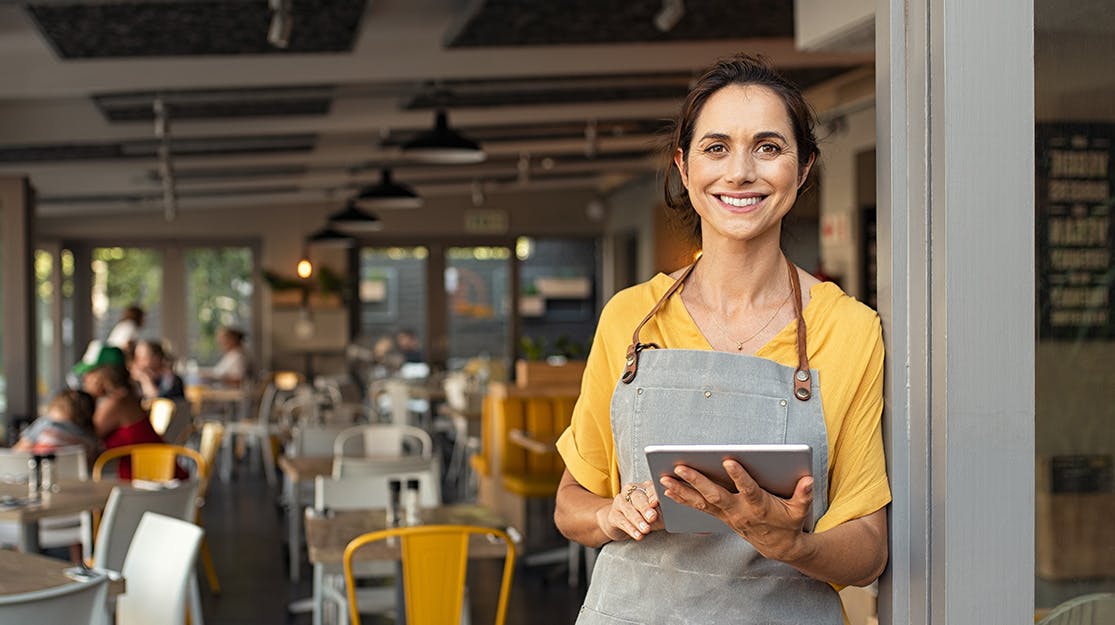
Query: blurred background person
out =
(125, 334)
(119, 419)
(150, 368)
(234, 366)
(406, 342)
(68, 422)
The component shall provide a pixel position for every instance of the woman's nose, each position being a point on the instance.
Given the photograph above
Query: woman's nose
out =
(741, 168)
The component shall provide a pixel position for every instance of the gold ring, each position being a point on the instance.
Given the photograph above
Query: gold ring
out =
(631, 489)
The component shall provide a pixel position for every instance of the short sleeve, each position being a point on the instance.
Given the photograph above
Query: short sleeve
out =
(587, 445)
(858, 482)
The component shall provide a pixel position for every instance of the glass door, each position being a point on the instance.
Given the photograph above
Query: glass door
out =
(218, 293)
(124, 277)
(1075, 350)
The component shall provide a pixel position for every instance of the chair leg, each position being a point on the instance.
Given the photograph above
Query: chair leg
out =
(196, 615)
(210, 569)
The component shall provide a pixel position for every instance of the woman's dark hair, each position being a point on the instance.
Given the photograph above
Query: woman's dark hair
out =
(115, 377)
(134, 313)
(155, 347)
(743, 70)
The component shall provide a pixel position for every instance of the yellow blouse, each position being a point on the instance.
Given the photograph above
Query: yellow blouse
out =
(845, 344)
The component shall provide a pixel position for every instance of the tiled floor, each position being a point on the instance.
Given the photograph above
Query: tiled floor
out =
(245, 529)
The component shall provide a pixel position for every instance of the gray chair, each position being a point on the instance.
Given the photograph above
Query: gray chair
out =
(123, 514)
(76, 603)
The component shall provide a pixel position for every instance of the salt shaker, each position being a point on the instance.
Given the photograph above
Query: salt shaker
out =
(395, 487)
(47, 473)
(410, 503)
(34, 477)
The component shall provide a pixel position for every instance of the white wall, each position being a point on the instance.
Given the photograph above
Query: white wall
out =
(841, 246)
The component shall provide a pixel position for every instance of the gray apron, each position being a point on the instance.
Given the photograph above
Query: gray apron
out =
(704, 396)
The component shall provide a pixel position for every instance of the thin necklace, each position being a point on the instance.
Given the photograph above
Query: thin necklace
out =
(741, 343)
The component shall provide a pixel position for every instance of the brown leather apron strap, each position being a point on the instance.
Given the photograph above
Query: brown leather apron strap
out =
(802, 377)
(631, 364)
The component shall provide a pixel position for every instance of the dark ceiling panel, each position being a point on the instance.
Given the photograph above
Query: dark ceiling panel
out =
(214, 27)
(147, 148)
(547, 22)
(218, 104)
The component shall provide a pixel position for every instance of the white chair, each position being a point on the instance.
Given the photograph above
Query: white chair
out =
(1093, 609)
(123, 513)
(349, 466)
(77, 603)
(310, 440)
(383, 440)
(157, 570)
(70, 463)
(358, 493)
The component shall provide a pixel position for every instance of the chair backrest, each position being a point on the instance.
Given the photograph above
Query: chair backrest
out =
(157, 571)
(76, 603)
(161, 413)
(383, 439)
(70, 463)
(283, 385)
(126, 506)
(1093, 609)
(435, 559)
(212, 432)
(348, 466)
(152, 461)
(361, 492)
(302, 407)
(308, 440)
(543, 416)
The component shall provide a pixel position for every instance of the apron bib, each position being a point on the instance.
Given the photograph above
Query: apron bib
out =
(682, 396)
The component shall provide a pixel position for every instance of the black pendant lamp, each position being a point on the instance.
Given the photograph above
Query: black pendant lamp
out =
(330, 237)
(352, 219)
(387, 194)
(443, 145)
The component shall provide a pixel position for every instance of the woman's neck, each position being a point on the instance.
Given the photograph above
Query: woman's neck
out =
(734, 274)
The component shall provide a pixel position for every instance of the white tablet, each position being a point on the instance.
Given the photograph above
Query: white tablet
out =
(776, 468)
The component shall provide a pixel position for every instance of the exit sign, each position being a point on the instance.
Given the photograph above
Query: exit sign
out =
(486, 221)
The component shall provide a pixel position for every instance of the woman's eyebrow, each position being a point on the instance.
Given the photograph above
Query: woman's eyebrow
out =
(759, 136)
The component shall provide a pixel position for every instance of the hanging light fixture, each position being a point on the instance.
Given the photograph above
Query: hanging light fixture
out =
(442, 144)
(329, 237)
(352, 219)
(387, 194)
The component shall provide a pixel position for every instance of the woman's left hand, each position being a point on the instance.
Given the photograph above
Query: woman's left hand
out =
(771, 524)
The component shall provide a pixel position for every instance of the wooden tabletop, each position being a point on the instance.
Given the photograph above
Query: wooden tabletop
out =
(25, 572)
(305, 468)
(72, 497)
(328, 535)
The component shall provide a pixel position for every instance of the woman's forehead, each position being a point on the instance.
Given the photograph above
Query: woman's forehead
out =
(743, 108)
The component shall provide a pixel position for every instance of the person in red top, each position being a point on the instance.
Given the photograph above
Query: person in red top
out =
(119, 419)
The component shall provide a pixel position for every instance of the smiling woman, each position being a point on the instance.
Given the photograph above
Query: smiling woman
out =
(743, 147)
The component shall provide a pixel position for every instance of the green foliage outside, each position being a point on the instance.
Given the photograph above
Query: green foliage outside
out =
(219, 293)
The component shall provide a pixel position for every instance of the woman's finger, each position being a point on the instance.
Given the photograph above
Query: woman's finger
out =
(709, 491)
(745, 484)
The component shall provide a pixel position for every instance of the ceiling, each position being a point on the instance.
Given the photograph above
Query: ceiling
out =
(562, 95)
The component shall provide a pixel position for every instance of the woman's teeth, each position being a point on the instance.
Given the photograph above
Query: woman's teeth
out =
(740, 202)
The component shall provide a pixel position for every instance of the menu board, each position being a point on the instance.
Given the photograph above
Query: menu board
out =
(1075, 231)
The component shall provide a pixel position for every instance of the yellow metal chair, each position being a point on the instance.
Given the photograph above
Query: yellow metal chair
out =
(152, 461)
(211, 434)
(435, 559)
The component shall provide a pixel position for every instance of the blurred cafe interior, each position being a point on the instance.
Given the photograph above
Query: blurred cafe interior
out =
(361, 229)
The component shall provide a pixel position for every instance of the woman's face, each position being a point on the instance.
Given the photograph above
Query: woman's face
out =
(742, 171)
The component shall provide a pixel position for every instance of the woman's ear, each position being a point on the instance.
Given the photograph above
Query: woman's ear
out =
(804, 175)
(679, 162)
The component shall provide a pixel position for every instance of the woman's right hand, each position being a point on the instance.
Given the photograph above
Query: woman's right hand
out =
(633, 513)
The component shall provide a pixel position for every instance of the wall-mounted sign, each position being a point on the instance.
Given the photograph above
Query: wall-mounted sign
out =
(486, 222)
(1075, 231)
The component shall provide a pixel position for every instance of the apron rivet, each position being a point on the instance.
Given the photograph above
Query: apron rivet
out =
(803, 376)
(782, 402)
(802, 393)
(640, 391)
(708, 393)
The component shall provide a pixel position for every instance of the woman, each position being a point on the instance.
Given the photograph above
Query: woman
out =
(125, 334)
(119, 419)
(234, 366)
(740, 347)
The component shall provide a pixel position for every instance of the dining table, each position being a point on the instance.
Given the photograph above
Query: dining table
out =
(67, 497)
(296, 471)
(28, 572)
(328, 533)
